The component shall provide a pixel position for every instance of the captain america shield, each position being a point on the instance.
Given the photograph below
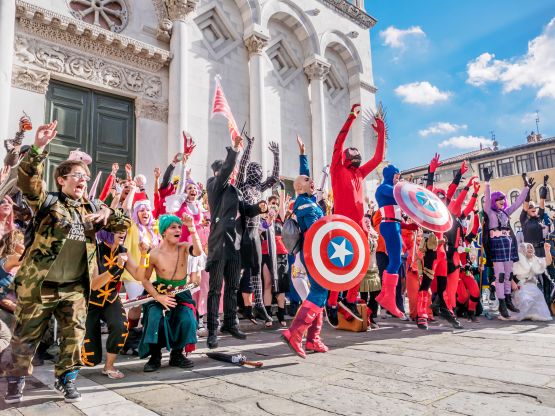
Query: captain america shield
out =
(423, 206)
(336, 252)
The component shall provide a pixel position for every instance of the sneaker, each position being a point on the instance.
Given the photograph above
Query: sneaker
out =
(350, 308)
(66, 385)
(15, 390)
(331, 313)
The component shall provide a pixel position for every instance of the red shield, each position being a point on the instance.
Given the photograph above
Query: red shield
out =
(336, 252)
(423, 206)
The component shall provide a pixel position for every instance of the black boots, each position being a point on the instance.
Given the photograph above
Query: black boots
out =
(177, 359)
(510, 305)
(503, 312)
(155, 360)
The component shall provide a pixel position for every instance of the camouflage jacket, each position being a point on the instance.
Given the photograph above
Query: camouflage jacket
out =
(53, 229)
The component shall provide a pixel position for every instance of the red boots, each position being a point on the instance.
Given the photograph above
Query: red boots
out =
(386, 298)
(309, 317)
(313, 341)
(422, 309)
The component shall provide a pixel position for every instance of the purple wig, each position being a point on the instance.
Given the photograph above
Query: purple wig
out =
(149, 226)
(495, 196)
(104, 236)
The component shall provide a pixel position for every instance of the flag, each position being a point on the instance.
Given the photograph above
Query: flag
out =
(221, 106)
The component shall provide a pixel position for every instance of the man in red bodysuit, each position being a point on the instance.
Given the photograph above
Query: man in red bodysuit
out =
(347, 180)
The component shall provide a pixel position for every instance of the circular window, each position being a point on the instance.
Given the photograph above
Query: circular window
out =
(108, 14)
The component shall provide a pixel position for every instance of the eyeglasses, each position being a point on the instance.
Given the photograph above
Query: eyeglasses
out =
(79, 176)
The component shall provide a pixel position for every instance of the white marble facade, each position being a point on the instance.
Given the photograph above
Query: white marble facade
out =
(287, 67)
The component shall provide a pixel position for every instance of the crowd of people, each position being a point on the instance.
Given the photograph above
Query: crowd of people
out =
(203, 255)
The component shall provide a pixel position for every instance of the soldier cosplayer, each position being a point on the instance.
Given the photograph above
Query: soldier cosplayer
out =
(54, 276)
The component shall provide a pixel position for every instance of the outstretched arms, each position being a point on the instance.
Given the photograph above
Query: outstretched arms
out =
(337, 156)
(271, 180)
(245, 159)
(373, 163)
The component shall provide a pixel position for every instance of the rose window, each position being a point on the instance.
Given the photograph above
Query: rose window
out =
(108, 14)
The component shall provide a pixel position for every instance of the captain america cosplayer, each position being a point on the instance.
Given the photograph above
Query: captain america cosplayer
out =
(310, 316)
(347, 179)
(390, 229)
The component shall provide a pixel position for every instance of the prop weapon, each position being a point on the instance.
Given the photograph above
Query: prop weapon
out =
(193, 287)
(238, 359)
(94, 186)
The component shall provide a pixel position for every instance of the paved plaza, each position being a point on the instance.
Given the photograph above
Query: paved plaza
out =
(489, 368)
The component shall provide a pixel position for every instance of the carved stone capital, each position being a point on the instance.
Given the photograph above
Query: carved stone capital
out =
(180, 9)
(30, 79)
(152, 110)
(316, 69)
(256, 42)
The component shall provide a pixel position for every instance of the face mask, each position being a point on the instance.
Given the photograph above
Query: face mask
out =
(352, 157)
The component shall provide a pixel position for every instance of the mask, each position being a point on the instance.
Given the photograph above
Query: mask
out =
(352, 157)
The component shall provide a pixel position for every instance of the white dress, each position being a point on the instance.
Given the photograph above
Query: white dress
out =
(529, 299)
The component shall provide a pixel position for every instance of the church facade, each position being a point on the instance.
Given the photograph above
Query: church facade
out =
(124, 78)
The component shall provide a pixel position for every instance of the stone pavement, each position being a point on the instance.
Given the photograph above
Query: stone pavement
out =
(490, 368)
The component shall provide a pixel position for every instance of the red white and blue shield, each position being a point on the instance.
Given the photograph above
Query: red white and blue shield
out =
(423, 206)
(336, 252)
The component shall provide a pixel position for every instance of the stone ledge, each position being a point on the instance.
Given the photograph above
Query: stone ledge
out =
(352, 12)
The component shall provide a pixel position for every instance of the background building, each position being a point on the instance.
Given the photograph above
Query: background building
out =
(536, 158)
(124, 78)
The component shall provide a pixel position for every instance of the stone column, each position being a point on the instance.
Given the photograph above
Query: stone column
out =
(255, 43)
(317, 69)
(178, 12)
(7, 29)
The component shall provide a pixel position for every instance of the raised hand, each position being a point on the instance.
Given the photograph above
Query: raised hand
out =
(476, 185)
(355, 110)
(45, 134)
(435, 163)
(524, 179)
(545, 179)
(488, 174)
(530, 183)
(274, 148)
(188, 145)
(188, 221)
(157, 173)
(301, 145)
(238, 141)
(128, 170)
(177, 158)
(470, 181)
(4, 173)
(115, 168)
(464, 167)
(379, 127)
(250, 140)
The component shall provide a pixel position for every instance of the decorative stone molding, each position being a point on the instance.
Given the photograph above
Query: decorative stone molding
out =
(160, 9)
(255, 42)
(164, 30)
(60, 29)
(180, 9)
(368, 87)
(30, 79)
(100, 13)
(152, 110)
(95, 70)
(218, 34)
(316, 69)
(352, 12)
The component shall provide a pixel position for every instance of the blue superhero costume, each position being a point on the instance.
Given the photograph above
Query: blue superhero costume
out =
(310, 316)
(390, 229)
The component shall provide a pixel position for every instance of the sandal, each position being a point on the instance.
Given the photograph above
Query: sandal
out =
(113, 374)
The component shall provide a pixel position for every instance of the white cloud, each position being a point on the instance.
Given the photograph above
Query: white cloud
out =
(441, 128)
(534, 69)
(466, 142)
(422, 93)
(396, 38)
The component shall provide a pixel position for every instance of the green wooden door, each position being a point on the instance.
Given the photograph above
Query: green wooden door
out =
(101, 125)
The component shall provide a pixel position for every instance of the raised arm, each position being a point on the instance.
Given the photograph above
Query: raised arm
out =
(31, 168)
(456, 180)
(169, 172)
(245, 159)
(337, 156)
(434, 164)
(472, 203)
(304, 169)
(373, 163)
(272, 180)
(520, 199)
(229, 164)
(488, 174)
(455, 206)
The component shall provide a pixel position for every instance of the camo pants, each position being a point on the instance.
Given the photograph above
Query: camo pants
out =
(67, 303)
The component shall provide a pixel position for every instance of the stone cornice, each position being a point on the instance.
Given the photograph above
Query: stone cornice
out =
(71, 32)
(368, 87)
(352, 12)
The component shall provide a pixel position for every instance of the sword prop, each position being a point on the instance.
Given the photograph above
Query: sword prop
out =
(193, 287)
(238, 359)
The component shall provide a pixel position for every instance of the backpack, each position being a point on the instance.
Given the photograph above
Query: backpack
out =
(50, 200)
(291, 235)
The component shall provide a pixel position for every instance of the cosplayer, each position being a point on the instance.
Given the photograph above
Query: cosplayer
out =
(390, 229)
(347, 179)
(250, 183)
(170, 322)
(532, 219)
(529, 297)
(105, 303)
(310, 316)
(502, 242)
(442, 267)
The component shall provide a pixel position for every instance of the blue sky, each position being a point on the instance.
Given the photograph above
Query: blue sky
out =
(450, 72)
